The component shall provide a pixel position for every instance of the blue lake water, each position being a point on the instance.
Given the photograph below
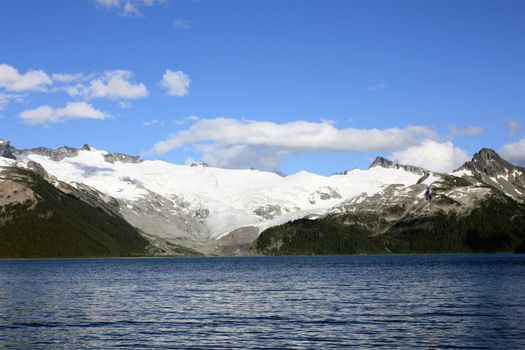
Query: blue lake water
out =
(425, 301)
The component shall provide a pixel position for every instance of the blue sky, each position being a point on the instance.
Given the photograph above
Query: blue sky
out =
(290, 85)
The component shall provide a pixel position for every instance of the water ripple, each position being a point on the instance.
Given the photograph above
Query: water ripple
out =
(441, 301)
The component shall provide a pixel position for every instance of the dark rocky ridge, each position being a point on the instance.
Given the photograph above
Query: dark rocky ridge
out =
(488, 167)
(387, 163)
(57, 154)
(121, 157)
(6, 150)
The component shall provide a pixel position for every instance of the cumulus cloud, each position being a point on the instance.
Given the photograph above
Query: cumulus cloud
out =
(114, 85)
(243, 156)
(432, 155)
(229, 142)
(176, 83)
(32, 80)
(470, 131)
(514, 152)
(376, 88)
(514, 126)
(128, 8)
(44, 115)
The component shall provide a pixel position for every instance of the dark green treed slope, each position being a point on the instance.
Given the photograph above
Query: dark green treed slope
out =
(520, 249)
(493, 227)
(316, 237)
(51, 223)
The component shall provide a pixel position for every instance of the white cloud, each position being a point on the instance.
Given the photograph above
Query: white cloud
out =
(153, 122)
(514, 152)
(176, 83)
(181, 23)
(514, 126)
(32, 80)
(67, 77)
(124, 104)
(127, 8)
(73, 110)
(232, 143)
(242, 156)
(376, 88)
(114, 85)
(108, 3)
(186, 120)
(432, 155)
(6, 97)
(4, 100)
(470, 131)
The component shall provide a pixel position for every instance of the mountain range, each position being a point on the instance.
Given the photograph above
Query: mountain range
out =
(87, 202)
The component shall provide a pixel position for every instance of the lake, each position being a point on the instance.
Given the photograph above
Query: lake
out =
(400, 301)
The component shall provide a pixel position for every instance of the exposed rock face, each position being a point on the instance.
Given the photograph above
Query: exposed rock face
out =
(121, 157)
(37, 168)
(323, 194)
(386, 163)
(6, 150)
(91, 196)
(166, 218)
(487, 161)
(236, 243)
(269, 211)
(447, 195)
(488, 167)
(382, 162)
(57, 154)
(12, 192)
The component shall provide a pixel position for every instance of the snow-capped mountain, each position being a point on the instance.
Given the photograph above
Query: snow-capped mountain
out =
(203, 203)
(211, 209)
(479, 207)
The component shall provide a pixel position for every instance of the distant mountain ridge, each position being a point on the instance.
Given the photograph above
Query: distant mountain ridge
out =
(386, 163)
(391, 207)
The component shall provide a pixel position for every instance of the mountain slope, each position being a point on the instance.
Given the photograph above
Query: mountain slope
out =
(466, 211)
(386, 208)
(198, 206)
(37, 220)
(488, 167)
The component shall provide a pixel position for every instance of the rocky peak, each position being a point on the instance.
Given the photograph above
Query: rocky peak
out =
(6, 150)
(57, 154)
(382, 162)
(487, 166)
(488, 162)
(387, 163)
